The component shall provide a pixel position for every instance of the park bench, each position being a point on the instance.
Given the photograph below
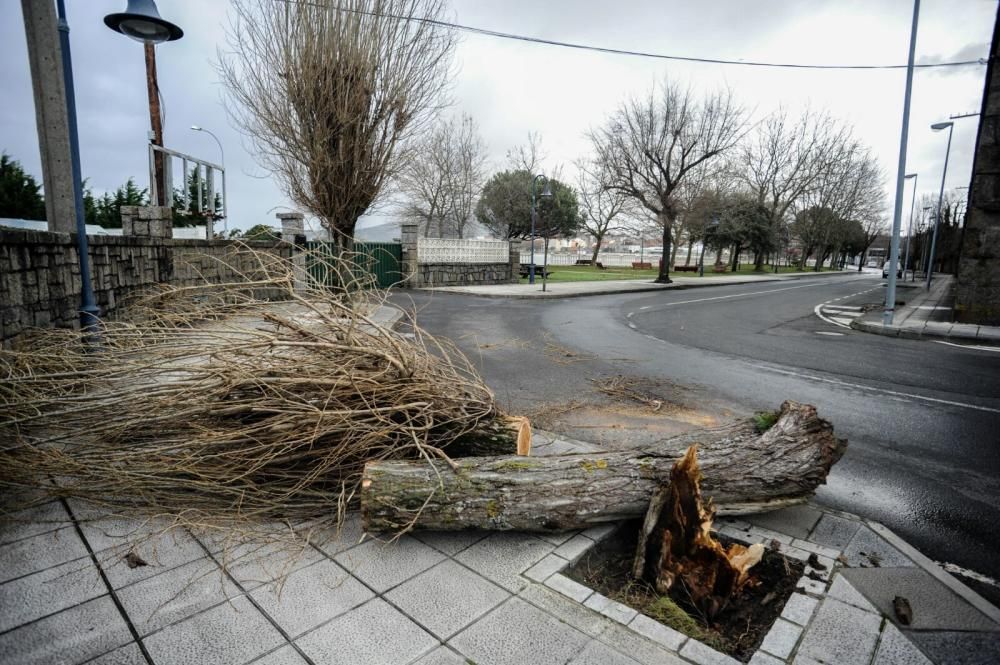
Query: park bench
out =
(588, 262)
(685, 268)
(641, 265)
(525, 271)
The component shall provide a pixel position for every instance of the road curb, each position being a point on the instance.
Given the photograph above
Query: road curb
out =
(921, 333)
(647, 289)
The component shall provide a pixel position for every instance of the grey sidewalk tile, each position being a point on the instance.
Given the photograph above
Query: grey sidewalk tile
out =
(48, 591)
(935, 606)
(844, 591)
(795, 521)
(104, 530)
(310, 596)
(815, 548)
(557, 538)
(574, 548)
(799, 608)
(286, 655)
(761, 658)
(826, 569)
(826, 638)
(793, 552)
(598, 653)
(570, 588)
(780, 640)
(895, 649)
(564, 609)
(640, 648)
(834, 532)
(610, 608)
(705, 655)
(446, 598)
(228, 634)
(257, 563)
(958, 647)
(39, 552)
(374, 634)
(599, 533)
(334, 539)
(502, 557)
(175, 595)
(130, 654)
(763, 535)
(810, 586)
(545, 568)
(656, 631)
(450, 542)
(384, 565)
(442, 656)
(72, 636)
(516, 633)
(33, 521)
(161, 553)
(867, 549)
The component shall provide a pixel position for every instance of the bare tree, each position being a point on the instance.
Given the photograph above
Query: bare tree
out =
(528, 156)
(327, 92)
(650, 145)
(602, 209)
(467, 172)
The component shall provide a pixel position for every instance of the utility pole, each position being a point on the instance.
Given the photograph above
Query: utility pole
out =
(156, 122)
(48, 86)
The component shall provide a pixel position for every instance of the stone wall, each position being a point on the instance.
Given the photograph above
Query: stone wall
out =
(977, 296)
(461, 274)
(40, 272)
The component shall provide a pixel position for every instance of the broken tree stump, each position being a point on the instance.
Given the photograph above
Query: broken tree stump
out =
(744, 470)
(676, 544)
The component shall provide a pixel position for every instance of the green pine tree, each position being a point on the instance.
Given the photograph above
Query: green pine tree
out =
(20, 193)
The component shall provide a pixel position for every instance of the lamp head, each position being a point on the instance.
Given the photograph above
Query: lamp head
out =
(196, 128)
(938, 126)
(907, 176)
(141, 21)
(547, 191)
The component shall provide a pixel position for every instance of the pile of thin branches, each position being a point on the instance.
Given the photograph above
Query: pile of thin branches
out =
(222, 402)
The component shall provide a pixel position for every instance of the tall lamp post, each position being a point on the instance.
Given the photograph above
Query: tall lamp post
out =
(225, 202)
(938, 126)
(909, 231)
(546, 193)
(141, 21)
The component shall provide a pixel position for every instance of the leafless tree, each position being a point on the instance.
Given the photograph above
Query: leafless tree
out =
(603, 210)
(527, 156)
(651, 144)
(328, 91)
(467, 174)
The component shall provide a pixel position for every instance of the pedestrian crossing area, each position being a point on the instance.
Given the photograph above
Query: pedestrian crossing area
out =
(840, 315)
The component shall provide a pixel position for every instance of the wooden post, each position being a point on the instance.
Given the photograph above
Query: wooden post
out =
(155, 120)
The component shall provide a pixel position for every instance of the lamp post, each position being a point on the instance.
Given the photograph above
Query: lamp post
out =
(926, 245)
(141, 21)
(89, 311)
(938, 126)
(909, 231)
(225, 202)
(546, 193)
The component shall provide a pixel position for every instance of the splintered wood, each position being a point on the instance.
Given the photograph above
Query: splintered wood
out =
(676, 543)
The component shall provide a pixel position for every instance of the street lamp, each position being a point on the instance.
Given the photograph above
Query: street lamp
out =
(937, 127)
(225, 202)
(546, 194)
(141, 21)
(909, 232)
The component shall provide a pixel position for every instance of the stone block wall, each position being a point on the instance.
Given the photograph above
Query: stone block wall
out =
(977, 295)
(40, 272)
(462, 274)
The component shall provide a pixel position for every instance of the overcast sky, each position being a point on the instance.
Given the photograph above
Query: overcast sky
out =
(512, 88)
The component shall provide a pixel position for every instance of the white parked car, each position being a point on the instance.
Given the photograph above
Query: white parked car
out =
(886, 268)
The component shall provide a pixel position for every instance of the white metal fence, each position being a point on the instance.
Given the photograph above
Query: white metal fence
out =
(452, 250)
(606, 259)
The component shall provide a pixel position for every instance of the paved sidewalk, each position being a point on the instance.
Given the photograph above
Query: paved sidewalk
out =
(927, 314)
(69, 594)
(600, 288)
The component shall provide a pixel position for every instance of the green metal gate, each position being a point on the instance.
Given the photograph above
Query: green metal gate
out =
(373, 263)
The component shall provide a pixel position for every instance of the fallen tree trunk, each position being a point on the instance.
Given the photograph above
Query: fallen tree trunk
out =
(744, 470)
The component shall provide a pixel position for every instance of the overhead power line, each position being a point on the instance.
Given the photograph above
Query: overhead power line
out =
(640, 54)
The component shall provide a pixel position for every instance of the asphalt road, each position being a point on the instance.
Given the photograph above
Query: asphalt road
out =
(922, 418)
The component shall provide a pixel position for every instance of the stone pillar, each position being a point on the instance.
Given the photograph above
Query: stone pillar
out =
(45, 62)
(148, 221)
(515, 261)
(409, 233)
(293, 231)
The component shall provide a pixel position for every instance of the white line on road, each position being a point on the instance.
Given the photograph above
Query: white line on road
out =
(831, 334)
(977, 347)
(738, 295)
(860, 386)
(839, 322)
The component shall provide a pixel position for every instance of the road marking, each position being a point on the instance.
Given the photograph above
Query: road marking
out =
(739, 295)
(831, 334)
(861, 386)
(841, 308)
(844, 320)
(965, 572)
(977, 347)
(837, 312)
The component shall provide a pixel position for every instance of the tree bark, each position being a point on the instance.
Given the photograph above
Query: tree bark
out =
(744, 472)
(597, 250)
(664, 276)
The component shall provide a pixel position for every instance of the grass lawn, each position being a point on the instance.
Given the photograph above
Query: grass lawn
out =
(591, 274)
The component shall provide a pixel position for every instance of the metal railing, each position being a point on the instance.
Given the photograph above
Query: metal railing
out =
(196, 164)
